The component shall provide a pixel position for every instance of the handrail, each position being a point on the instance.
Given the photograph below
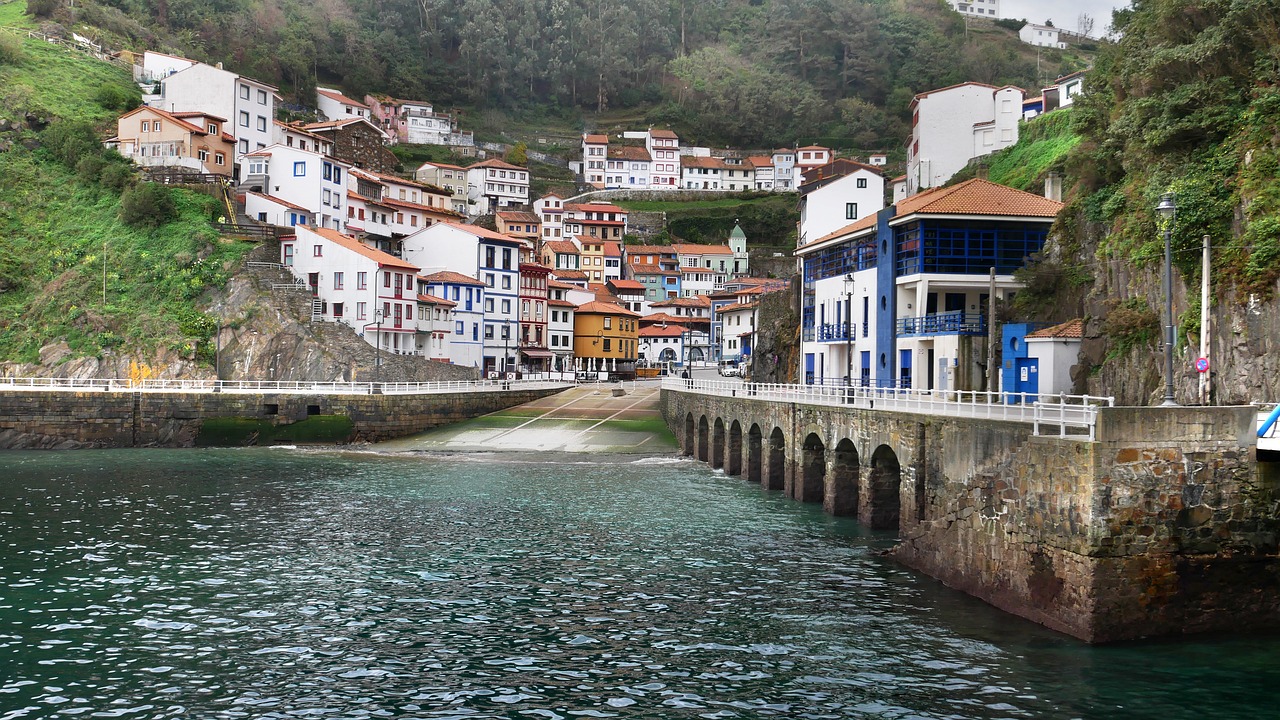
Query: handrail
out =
(1269, 422)
(1068, 413)
(280, 386)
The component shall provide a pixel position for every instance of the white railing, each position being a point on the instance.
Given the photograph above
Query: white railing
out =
(1071, 415)
(276, 386)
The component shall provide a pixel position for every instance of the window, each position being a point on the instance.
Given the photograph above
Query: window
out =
(262, 124)
(360, 311)
(506, 307)
(506, 282)
(244, 91)
(607, 344)
(386, 280)
(608, 323)
(316, 251)
(488, 279)
(146, 126)
(851, 211)
(244, 119)
(219, 159)
(862, 182)
(488, 332)
(362, 280)
(337, 281)
(489, 254)
(203, 155)
(488, 305)
(262, 97)
(459, 327)
(299, 169)
(244, 146)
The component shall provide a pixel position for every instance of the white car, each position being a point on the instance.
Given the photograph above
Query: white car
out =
(730, 368)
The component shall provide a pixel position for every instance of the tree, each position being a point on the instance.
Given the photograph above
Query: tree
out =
(518, 154)
(1084, 24)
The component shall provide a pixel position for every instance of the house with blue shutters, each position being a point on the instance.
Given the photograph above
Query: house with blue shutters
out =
(899, 298)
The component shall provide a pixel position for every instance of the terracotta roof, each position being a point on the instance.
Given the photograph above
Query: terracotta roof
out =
(695, 249)
(394, 179)
(613, 249)
(518, 216)
(448, 276)
(814, 147)
(737, 306)
(278, 201)
(446, 166)
(561, 303)
(626, 285)
(360, 248)
(191, 114)
(496, 163)
(660, 331)
(978, 197)
(650, 269)
(760, 162)
(534, 267)
(335, 95)
(711, 163)
(1071, 329)
(485, 233)
(594, 207)
(663, 133)
(605, 308)
(596, 139)
(560, 246)
(661, 317)
(570, 275)
(432, 299)
(167, 116)
(650, 250)
(854, 227)
(629, 152)
(691, 301)
(556, 284)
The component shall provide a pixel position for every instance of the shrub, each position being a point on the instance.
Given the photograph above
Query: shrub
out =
(43, 8)
(70, 141)
(117, 175)
(117, 97)
(11, 52)
(1011, 24)
(1129, 325)
(147, 204)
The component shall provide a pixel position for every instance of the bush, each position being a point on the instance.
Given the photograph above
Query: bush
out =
(117, 176)
(147, 205)
(70, 141)
(43, 8)
(11, 52)
(117, 97)
(1011, 24)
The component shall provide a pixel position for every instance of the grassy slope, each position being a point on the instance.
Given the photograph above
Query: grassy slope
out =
(56, 226)
(1043, 145)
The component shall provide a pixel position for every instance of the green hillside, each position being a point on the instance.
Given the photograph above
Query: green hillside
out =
(1044, 144)
(61, 217)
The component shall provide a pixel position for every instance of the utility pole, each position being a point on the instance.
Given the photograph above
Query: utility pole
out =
(991, 328)
(1205, 382)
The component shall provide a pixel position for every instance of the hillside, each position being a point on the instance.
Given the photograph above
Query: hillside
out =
(71, 268)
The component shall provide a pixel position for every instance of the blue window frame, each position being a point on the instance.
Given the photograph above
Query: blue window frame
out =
(966, 247)
(328, 171)
(299, 169)
(459, 328)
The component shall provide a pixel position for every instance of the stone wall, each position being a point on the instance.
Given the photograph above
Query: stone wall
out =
(1164, 525)
(63, 420)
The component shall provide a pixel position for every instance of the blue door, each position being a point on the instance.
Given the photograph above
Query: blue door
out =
(1026, 379)
(808, 368)
(904, 368)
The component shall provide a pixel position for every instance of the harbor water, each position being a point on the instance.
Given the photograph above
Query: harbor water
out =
(285, 583)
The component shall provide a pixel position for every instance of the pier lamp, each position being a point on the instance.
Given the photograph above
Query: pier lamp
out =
(377, 347)
(848, 329)
(1168, 212)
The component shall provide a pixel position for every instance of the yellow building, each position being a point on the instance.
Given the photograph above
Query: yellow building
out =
(604, 335)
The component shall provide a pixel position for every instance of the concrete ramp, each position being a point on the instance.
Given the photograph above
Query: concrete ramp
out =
(586, 419)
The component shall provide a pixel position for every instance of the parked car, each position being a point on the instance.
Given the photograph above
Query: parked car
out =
(730, 368)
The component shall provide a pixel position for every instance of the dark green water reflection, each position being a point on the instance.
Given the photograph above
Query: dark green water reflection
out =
(285, 584)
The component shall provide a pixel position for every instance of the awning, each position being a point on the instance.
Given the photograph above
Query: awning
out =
(538, 353)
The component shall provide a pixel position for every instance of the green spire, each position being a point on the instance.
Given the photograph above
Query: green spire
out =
(737, 233)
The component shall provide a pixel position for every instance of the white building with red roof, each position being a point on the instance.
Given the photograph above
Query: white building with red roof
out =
(595, 157)
(550, 212)
(837, 194)
(151, 137)
(372, 292)
(809, 157)
(333, 105)
(466, 346)
(493, 184)
(451, 178)
(664, 153)
(282, 179)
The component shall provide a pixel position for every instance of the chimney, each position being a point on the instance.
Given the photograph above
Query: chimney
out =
(1053, 187)
(218, 65)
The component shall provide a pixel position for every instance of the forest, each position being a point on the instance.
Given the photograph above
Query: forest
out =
(742, 72)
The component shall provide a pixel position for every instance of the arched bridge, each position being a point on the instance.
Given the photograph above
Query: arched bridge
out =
(1102, 522)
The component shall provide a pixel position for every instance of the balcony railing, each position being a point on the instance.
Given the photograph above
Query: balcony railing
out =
(834, 332)
(956, 322)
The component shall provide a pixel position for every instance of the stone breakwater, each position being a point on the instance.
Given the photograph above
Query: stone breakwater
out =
(101, 419)
(1165, 525)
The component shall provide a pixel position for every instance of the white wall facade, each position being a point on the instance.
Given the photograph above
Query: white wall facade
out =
(954, 125)
(840, 203)
(1056, 357)
(303, 178)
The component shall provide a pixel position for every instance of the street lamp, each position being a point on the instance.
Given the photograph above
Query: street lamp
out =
(1168, 211)
(848, 329)
(377, 347)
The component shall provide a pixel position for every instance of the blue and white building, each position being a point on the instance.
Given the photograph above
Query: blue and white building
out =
(466, 347)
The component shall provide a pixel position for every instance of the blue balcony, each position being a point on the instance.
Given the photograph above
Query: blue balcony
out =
(835, 332)
(956, 322)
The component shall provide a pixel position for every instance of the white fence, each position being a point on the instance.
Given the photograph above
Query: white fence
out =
(1061, 415)
(264, 386)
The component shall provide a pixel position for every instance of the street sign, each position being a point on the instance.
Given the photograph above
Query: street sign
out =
(1202, 365)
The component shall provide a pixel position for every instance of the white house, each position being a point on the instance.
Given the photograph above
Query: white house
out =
(372, 292)
(493, 184)
(449, 177)
(705, 268)
(836, 195)
(296, 178)
(434, 327)
(492, 258)
(1040, 36)
(989, 9)
(628, 167)
(292, 136)
(784, 169)
(808, 158)
(702, 173)
(737, 326)
(664, 152)
(248, 106)
(952, 125)
(662, 343)
(550, 212)
(466, 347)
(1055, 351)
(333, 105)
(1067, 87)
(595, 151)
(762, 171)
(560, 322)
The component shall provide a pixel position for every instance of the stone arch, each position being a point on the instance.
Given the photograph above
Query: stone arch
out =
(735, 449)
(776, 476)
(884, 490)
(717, 444)
(704, 431)
(813, 469)
(687, 450)
(841, 497)
(755, 453)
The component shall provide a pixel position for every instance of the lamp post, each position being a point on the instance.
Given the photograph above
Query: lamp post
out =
(377, 347)
(848, 329)
(1168, 211)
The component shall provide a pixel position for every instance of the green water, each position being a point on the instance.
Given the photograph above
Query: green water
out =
(284, 584)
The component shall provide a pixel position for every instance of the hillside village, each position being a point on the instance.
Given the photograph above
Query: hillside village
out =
(559, 284)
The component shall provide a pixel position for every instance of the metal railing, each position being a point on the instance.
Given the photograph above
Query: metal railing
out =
(956, 322)
(1070, 415)
(276, 386)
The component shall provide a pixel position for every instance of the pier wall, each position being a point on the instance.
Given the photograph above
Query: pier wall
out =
(1163, 525)
(112, 419)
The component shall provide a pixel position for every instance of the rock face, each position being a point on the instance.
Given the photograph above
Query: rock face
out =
(777, 344)
(267, 334)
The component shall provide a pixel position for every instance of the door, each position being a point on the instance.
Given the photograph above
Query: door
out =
(288, 255)
(1026, 379)
(313, 279)
(866, 368)
(904, 368)
(808, 368)
(930, 380)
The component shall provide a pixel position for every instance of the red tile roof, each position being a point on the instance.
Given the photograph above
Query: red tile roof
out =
(1071, 329)
(486, 233)
(979, 197)
(670, 331)
(335, 95)
(650, 250)
(695, 249)
(278, 201)
(613, 249)
(710, 163)
(596, 139)
(626, 285)
(663, 133)
(691, 301)
(518, 216)
(570, 275)
(630, 152)
(496, 163)
(737, 306)
(661, 317)
(594, 207)
(650, 269)
(560, 246)
(605, 308)
(448, 276)
(433, 300)
(360, 248)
